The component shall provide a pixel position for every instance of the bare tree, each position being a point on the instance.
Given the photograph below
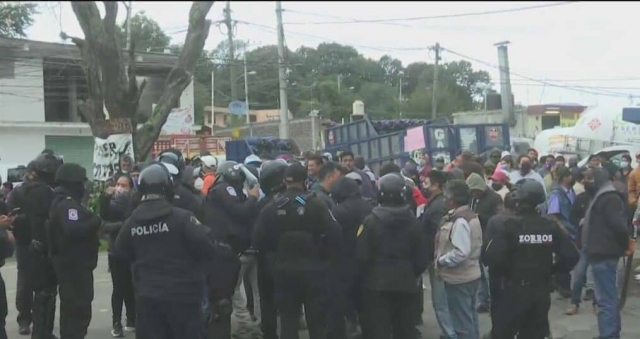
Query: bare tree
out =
(111, 71)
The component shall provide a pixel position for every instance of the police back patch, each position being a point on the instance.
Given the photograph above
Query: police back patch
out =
(73, 214)
(232, 191)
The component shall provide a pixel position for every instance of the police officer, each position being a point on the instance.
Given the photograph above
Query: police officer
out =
(22, 232)
(38, 196)
(169, 249)
(523, 253)
(186, 197)
(350, 210)
(73, 244)
(392, 254)
(7, 242)
(306, 238)
(272, 183)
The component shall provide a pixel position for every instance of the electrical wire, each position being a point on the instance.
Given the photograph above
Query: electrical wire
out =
(446, 16)
(603, 92)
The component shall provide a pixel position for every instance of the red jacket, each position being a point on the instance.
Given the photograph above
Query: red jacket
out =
(418, 197)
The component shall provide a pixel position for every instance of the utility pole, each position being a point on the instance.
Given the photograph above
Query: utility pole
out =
(213, 95)
(282, 75)
(505, 83)
(339, 82)
(400, 97)
(129, 10)
(233, 71)
(246, 93)
(434, 98)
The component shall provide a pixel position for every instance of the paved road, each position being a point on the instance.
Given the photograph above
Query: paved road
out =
(581, 326)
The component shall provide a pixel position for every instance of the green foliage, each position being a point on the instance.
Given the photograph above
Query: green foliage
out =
(327, 78)
(15, 18)
(146, 34)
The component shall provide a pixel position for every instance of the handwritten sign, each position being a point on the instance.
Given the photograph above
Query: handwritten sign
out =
(104, 128)
(414, 139)
(179, 122)
(107, 153)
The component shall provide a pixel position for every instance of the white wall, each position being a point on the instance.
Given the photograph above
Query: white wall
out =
(19, 145)
(25, 98)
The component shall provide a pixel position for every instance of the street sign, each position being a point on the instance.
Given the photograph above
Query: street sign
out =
(237, 108)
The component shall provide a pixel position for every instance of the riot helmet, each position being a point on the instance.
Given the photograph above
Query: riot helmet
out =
(272, 176)
(528, 192)
(174, 157)
(392, 188)
(155, 179)
(71, 173)
(231, 173)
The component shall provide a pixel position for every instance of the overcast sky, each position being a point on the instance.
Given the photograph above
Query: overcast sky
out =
(578, 49)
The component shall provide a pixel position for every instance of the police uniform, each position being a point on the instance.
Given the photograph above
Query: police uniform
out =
(392, 254)
(6, 251)
(73, 244)
(38, 196)
(300, 229)
(272, 183)
(169, 250)
(22, 233)
(523, 253)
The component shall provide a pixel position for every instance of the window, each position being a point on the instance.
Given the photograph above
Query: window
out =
(7, 69)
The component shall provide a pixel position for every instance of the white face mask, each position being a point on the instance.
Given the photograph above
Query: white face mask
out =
(624, 164)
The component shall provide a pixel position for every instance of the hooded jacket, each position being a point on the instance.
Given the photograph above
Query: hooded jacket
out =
(391, 250)
(489, 202)
(605, 232)
(350, 211)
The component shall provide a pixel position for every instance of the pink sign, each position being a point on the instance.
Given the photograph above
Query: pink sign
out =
(414, 139)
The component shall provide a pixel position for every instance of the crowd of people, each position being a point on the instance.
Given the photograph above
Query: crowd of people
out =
(320, 244)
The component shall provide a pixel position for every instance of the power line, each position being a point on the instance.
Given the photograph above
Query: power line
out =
(604, 92)
(378, 48)
(445, 16)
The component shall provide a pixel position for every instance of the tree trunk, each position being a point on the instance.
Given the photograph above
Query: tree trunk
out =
(111, 74)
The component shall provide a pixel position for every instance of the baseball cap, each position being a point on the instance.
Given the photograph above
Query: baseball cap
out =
(499, 175)
(173, 170)
(355, 176)
(505, 154)
(209, 161)
(295, 173)
(252, 158)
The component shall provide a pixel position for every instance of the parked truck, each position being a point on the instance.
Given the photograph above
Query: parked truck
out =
(438, 140)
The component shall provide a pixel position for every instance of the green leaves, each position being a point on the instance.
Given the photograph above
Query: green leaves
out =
(15, 18)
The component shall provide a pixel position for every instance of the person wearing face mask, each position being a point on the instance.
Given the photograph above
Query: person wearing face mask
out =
(435, 210)
(73, 242)
(439, 164)
(526, 171)
(114, 210)
(499, 183)
(506, 162)
(625, 170)
(605, 238)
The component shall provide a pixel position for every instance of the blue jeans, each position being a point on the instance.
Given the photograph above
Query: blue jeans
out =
(462, 299)
(440, 305)
(580, 279)
(605, 276)
(483, 291)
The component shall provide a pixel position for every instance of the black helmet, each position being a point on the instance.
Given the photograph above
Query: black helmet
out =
(155, 179)
(174, 157)
(231, 173)
(528, 191)
(272, 176)
(71, 173)
(46, 164)
(392, 188)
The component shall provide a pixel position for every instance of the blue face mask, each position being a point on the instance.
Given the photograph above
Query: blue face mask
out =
(624, 164)
(505, 167)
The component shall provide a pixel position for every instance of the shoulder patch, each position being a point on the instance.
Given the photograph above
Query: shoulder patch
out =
(73, 214)
(232, 191)
(360, 229)
(195, 220)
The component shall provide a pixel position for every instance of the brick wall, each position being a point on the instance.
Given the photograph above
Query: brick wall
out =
(299, 131)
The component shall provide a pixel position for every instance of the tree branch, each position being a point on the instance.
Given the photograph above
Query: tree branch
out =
(178, 79)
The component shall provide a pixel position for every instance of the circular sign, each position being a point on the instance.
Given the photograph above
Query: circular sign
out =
(237, 108)
(330, 137)
(494, 134)
(439, 134)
